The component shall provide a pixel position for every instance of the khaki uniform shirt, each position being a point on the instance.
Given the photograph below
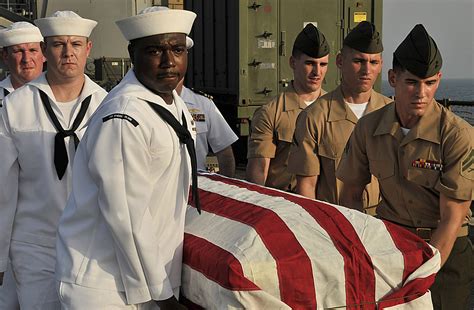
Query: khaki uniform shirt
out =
(436, 156)
(321, 135)
(271, 136)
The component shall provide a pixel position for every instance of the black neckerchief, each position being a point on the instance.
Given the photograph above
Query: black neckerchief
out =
(184, 137)
(60, 153)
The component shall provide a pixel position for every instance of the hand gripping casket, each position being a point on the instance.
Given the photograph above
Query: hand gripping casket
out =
(259, 248)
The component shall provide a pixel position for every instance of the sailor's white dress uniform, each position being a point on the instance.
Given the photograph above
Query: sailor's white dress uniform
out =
(122, 229)
(32, 197)
(8, 296)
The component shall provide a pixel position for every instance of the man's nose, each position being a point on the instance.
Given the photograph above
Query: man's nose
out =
(68, 50)
(317, 69)
(167, 59)
(25, 56)
(421, 90)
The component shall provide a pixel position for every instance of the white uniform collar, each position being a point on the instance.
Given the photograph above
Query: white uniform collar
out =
(6, 83)
(42, 83)
(132, 86)
(186, 91)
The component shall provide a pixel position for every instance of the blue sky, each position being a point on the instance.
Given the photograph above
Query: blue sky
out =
(449, 22)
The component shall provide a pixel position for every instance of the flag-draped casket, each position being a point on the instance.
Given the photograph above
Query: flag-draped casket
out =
(259, 248)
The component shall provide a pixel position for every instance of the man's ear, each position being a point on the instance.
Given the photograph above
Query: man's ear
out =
(392, 77)
(5, 54)
(43, 46)
(88, 47)
(131, 52)
(291, 62)
(339, 60)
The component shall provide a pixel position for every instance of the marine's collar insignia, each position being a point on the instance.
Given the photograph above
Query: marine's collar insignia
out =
(120, 116)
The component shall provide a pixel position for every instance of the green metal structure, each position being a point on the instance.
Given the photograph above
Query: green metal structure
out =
(257, 38)
(242, 49)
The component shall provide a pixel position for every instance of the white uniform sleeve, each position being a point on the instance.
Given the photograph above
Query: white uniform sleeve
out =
(219, 133)
(120, 165)
(9, 174)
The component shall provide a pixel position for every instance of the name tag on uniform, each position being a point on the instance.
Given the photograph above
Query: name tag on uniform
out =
(427, 164)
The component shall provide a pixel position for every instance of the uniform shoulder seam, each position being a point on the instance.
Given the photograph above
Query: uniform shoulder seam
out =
(199, 92)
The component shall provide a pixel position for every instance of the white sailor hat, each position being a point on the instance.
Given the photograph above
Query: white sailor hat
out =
(157, 20)
(19, 33)
(65, 23)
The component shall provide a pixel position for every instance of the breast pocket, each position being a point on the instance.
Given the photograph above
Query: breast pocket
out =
(35, 150)
(332, 151)
(424, 177)
(201, 127)
(285, 134)
(325, 150)
(382, 169)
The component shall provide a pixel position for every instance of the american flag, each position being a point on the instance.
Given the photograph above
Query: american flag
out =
(260, 248)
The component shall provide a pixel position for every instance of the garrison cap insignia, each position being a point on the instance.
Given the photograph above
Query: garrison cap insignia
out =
(427, 164)
(120, 116)
(364, 38)
(312, 42)
(467, 166)
(419, 54)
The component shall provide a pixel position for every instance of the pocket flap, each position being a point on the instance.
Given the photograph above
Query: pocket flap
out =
(382, 169)
(285, 133)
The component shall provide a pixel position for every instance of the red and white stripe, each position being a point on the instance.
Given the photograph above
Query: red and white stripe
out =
(254, 247)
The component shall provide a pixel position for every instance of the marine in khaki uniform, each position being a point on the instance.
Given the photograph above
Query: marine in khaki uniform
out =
(423, 156)
(323, 129)
(273, 124)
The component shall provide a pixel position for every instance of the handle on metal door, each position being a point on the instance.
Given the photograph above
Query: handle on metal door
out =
(255, 63)
(254, 6)
(265, 91)
(265, 34)
(283, 43)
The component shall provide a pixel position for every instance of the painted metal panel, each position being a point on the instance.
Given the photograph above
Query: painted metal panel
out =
(294, 15)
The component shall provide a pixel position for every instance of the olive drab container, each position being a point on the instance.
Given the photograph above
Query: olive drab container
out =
(242, 48)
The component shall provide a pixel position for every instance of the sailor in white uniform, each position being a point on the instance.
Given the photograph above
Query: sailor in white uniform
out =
(21, 53)
(121, 234)
(40, 127)
(24, 60)
(6, 88)
(212, 130)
